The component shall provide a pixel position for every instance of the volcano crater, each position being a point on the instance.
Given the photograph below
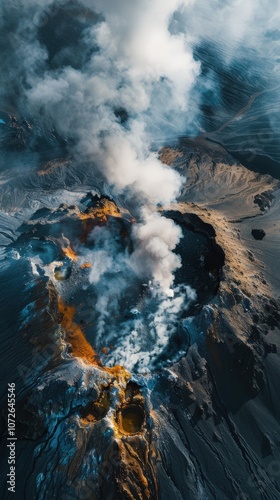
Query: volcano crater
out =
(126, 318)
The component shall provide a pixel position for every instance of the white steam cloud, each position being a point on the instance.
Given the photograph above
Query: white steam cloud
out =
(139, 66)
(155, 239)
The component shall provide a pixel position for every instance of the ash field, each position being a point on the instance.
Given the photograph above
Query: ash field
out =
(139, 247)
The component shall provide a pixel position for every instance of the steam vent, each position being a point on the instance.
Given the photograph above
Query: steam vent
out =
(139, 247)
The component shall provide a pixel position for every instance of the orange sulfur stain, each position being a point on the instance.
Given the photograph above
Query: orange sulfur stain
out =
(69, 252)
(97, 216)
(80, 347)
(118, 372)
(103, 209)
(85, 265)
